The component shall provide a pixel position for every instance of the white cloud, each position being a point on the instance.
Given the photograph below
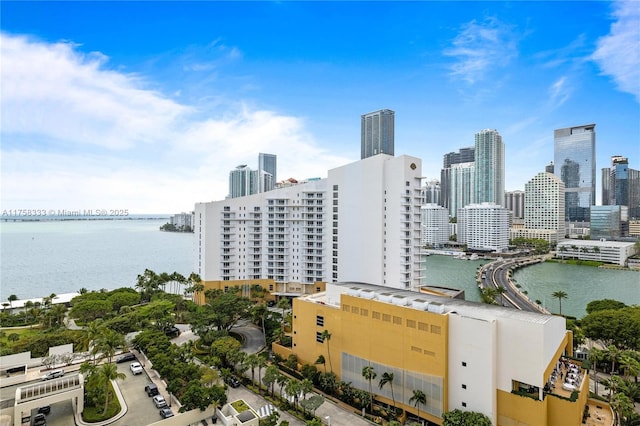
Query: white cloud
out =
(78, 135)
(480, 48)
(617, 54)
(559, 92)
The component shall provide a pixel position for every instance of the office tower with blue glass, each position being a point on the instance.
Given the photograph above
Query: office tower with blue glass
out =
(621, 186)
(575, 164)
(267, 168)
(377, 133)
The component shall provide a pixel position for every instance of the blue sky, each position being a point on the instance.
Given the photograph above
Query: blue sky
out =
(147, 106)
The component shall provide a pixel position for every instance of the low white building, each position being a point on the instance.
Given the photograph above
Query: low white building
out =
(600, 250)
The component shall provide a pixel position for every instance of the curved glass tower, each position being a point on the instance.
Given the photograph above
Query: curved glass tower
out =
(575, 163)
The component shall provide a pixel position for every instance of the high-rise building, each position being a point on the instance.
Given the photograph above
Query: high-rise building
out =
(514, 202)
(549, 168)
(489, 159)
(377, 133)
(431, 192)
(461, 177)
(435, 225)
(243, 181)
(544, 205)
(447, 192)
(267, 163)
(484, 226)
(575, 163)
(361, 223)
(621, 186)
(609, 222)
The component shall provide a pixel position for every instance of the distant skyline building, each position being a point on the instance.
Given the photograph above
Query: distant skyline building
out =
(449, 192)
(484, 227)
(242, 181)
(544, 205)
(609, 222)
(267, 163)
(621, 186)
(377, 133)
(431, 192)
(514, 202)
(575, 163)
(489, 168)
(461, 178)
(549, 168)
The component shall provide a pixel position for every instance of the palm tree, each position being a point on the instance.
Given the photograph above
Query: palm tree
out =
(293, 388)
(12, 298)
(251, 361)
(108, 342)
(284, 305)
(500, 291)
(629, 364)
(259, 312)
(369, 374)
(326, 337)
(614, 353)
(560, 295)
(322, 361)
(418, 399)
(595, 355)
(107, 373)
(387, 378)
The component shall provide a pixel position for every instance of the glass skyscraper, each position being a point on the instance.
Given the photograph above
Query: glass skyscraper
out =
(575, 164)
(621, 186)
(489, 159)
(267, 163)
(377, 133)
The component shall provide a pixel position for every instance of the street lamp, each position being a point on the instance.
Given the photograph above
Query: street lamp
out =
(328, 419)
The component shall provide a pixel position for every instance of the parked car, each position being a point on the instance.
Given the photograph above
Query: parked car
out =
(172, 331)
(126, 357)
(53, 374)
(39, 420)
(232, 381)
(136, 368)
(166, 412)
(151, 389)
(44, 410)
(159, 401)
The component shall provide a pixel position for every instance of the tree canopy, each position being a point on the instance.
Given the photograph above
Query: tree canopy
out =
(465, 418)
(619, 327)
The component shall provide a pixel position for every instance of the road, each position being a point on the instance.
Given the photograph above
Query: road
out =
(496, 274)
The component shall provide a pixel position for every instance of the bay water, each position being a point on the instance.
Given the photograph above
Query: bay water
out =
(42, 257)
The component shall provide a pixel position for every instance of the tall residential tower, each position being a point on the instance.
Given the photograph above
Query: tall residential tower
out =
(489, 159)
(377, 133)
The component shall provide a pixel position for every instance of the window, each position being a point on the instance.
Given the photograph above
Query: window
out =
(319, 338)
(320, 320)
(464, 386)
(464, 364)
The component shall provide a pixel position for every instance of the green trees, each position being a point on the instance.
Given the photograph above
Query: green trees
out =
(326, 337)
(419, 398)
(107, 373)
(387, 379)
(559, 295)
(369, 374)
(619, 327)
(465, 418)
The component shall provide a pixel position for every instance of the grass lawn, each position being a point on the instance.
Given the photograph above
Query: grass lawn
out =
(93, 414)
(21, 332)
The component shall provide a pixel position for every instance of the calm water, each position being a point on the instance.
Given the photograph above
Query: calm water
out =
(40, 258)
(581, 283)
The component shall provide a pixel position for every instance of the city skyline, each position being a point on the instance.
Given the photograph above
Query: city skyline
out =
(147, 106)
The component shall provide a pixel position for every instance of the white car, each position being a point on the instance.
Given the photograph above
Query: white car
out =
(136, 368)
(159, 401)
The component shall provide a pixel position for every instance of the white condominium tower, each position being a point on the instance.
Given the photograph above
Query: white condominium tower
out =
(377, 133)
(544, 204)
(484, 226)
(489, 163)
(435, 225)
(361, 223)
